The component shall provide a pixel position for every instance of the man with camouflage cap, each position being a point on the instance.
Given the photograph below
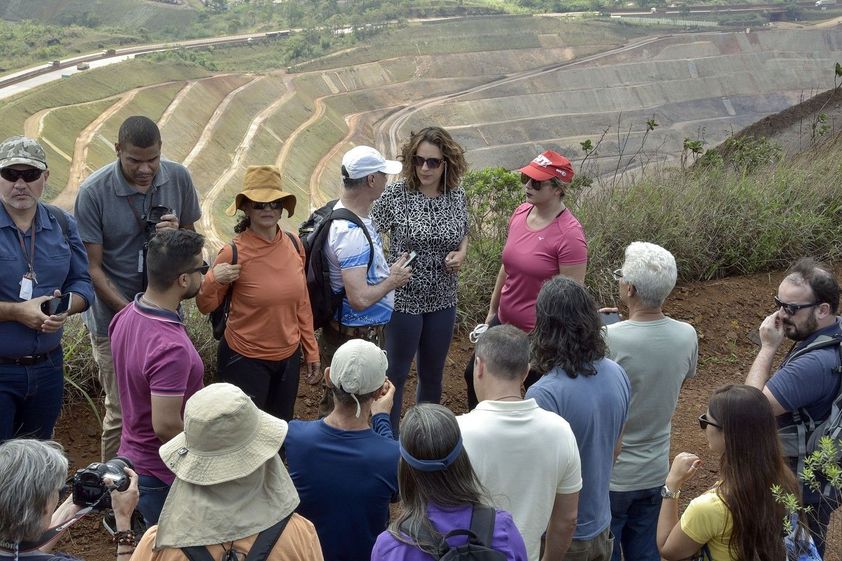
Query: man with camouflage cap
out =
(43, 259)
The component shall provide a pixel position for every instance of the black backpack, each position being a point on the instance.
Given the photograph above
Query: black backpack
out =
(313, 233)
(260, 550)
(801, 438)
(480, 536)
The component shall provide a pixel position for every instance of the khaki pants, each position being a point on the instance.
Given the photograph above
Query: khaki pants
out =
(329, 341)
(595, 549)
(112, 422)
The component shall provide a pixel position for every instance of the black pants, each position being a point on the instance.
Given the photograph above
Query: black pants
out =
(531, 378)
(271, 384)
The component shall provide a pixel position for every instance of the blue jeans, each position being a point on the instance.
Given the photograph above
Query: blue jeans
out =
(425, 337)
(153, 493)
(634, 523)
(31, 397)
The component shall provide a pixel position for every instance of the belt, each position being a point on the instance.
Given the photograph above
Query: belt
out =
(367, 332)
(24, 360)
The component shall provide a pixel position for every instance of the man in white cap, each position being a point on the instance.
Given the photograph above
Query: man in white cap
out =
(345, 470)
(232, 493)
(367, 279)
(43, 257)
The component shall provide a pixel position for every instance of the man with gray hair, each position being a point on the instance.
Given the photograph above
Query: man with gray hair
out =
(345, 466)
(524, 455)
(658, 354)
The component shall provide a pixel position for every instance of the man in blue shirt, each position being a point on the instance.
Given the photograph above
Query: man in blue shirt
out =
(42, 258)
(806, 308)
(346, 472)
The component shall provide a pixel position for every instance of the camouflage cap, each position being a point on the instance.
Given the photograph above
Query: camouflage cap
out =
(22, 150)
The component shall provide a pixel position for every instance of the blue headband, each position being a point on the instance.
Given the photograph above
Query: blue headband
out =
(432, 465)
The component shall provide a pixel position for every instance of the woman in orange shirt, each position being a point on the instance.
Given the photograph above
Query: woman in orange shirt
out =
(269, 316)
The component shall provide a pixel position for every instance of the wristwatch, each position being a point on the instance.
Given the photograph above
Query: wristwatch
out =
(667, 494)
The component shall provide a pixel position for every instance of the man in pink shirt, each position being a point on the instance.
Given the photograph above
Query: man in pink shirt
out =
(157, 367)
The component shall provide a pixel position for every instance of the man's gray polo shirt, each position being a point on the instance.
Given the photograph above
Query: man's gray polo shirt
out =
(111, 213)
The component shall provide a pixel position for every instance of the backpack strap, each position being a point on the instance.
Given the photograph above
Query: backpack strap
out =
(61, 218)
(260, 550)
(482, 523)
(197, 553)
(345, 214)
(266, 541)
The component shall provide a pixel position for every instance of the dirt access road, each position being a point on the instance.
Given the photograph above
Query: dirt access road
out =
(724, 312)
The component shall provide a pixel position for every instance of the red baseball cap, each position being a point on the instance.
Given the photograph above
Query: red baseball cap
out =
(549, 165)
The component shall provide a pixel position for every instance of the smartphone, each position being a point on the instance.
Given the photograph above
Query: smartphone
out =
(609, 317)
(55, 306)
(412, 256)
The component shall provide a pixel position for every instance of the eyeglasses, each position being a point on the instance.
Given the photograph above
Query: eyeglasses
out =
(274, 205)
(536, 185)
(28, 175)
(792, 309)
(617, 274)
(704, 422)
(432, 163)
(203, 268)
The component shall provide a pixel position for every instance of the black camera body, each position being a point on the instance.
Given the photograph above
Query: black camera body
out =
(89, 484)
(152, 219)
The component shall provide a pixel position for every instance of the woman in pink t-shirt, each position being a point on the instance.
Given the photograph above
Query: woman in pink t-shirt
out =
(544, 240)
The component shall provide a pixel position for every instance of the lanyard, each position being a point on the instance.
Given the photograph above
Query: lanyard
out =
(29, 256)
(137, 217)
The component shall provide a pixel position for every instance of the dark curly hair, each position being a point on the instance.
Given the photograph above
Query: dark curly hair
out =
(452, 153)
(568, 332)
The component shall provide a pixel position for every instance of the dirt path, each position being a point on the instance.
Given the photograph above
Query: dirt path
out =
(79, 165)
(170, 110)
(207, 132)
(208, 225)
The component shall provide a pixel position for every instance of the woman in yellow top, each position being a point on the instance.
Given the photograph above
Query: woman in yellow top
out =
(739, 519)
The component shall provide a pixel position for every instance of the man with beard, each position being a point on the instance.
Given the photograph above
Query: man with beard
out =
(155, 363)
(807, 383)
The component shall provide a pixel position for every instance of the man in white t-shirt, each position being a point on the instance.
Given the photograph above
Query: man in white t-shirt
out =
(369, 290)
(525, 456)
(658, 354)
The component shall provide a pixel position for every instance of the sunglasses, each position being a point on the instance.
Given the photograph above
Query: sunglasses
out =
(704, 422)
(792, 309)
(432, 163)
(274, 205)
(617, 274)
(536, 185)
(203, 268)
(28, 175)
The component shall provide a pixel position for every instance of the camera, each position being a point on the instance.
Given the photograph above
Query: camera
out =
(89, 484)
(153, 217)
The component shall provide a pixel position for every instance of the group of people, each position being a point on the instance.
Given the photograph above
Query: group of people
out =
(575, 468)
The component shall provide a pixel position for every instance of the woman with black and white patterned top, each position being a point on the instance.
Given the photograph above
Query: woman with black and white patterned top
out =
(424, 212)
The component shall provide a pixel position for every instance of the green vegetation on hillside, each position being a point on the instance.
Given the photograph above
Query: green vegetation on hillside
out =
(717, 219)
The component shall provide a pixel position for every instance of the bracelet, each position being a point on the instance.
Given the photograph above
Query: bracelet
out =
(125, 537)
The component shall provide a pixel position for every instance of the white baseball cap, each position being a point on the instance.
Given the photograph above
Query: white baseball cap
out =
(361, 161)
(358, 368)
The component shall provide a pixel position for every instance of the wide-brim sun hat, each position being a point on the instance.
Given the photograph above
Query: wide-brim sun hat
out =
(262, 184)
(225, 437)
(549, 165)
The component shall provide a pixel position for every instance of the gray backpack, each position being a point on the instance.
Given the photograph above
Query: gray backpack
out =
(801, 438)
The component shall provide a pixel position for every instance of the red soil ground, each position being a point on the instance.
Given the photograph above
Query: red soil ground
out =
(724, 313)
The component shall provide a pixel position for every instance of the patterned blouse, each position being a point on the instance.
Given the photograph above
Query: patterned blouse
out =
(432, 227)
